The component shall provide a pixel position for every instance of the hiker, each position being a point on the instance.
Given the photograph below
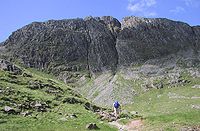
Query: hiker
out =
(116, 107)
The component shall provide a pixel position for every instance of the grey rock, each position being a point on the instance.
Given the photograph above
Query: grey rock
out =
(194, 128)
(102, 54)
(113, 24)
(63, 119)
(26, 113)
(72, 100)
(35, 85)
(26, 75)
(196, 86)
(38, 105)
(178, 81)
(97, 44)
(196, 30)
(51, 45)
(103, 115)
(7, 66)
(195, 107)
(92, 126)
(142, 39)
(66, 45)
(9, 110)
(73, 116)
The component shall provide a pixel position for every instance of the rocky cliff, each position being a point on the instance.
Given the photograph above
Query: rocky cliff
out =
(100, 43)
(67, 45)
(72, 48)
(142, 39)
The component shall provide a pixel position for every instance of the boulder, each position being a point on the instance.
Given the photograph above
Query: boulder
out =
(195, 107)
(92, 107)
(26, 75)
(7, 66)
(103, 115)
(72, 100)
(196, 86)
(73, 116)
(92, 126)
(9, 110)
(26, 113)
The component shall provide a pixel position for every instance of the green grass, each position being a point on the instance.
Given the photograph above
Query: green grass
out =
(52, 120)
(162, 112)
(43, 121)
(130, 83)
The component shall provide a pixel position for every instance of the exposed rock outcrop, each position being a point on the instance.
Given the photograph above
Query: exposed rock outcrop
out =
(7, 66)
(50, 45)
(98, 44)
(102, 54)
(196, 30)
(67, 45)
(142, 39)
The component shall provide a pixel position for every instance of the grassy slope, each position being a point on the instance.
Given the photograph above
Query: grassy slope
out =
(50, 120)
(169, 108)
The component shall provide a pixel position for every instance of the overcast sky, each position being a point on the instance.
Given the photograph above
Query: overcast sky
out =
(14, 14)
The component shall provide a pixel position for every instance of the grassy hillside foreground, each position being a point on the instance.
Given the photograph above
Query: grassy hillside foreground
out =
(41, 103)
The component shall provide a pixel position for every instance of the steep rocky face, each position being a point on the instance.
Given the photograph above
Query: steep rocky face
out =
(102, 53)
(67, 45)
(51, 44)
(113, 24)
(142, 39)
(196, 30)
(98, 44)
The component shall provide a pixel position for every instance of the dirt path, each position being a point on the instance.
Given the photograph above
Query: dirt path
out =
(134, 125)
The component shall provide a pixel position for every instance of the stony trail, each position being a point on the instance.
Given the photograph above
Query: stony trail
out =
(134, 125)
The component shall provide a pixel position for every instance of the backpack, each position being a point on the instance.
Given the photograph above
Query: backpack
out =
(116, 104)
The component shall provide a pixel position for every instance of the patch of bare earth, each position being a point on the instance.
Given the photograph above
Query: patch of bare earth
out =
(134, 125)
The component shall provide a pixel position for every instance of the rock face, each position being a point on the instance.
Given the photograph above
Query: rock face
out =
(142, 39)
(51, 44)
(102, 54)
(196, 30)
(7, 66)
(97, 44)
(67, 45)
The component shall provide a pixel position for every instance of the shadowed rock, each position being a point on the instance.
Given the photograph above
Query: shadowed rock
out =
(7, 66)
(142, 39)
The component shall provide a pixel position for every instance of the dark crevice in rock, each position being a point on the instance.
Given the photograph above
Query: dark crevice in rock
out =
(115, 27)
(88, 47)
(102, 53)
